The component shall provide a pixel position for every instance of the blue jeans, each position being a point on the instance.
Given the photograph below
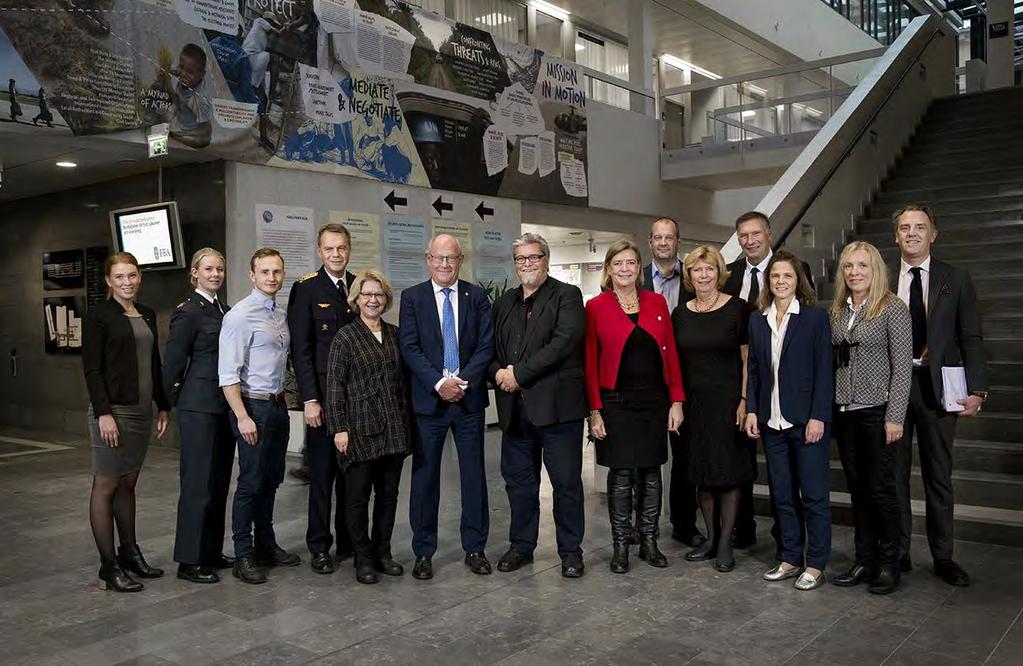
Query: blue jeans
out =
(795, 466)
(260, 471)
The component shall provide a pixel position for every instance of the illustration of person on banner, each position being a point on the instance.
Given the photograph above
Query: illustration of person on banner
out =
(181, 96)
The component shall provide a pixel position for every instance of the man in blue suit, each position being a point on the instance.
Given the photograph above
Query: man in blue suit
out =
(445, 333)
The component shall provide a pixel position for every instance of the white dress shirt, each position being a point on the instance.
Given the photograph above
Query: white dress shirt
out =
(747, 274)
(438, 293)
(777, 420)
(906, 278)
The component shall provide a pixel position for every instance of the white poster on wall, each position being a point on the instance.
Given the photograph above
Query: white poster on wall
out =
(290, 231)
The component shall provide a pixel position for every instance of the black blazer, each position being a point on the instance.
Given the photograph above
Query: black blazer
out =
(736, 270)
(548, 354)
(954, 333)
(806, 381)
(190, 360)
(316, 312)
(109, 359)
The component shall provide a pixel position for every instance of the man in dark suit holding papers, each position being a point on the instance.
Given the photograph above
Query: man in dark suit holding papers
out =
(946, 332)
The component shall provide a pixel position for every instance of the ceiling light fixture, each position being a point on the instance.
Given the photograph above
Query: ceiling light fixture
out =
(548, 8)
(679, 63)
(495, 19)
(66, 165)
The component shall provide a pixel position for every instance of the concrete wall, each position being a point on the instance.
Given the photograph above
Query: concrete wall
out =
(49, 391)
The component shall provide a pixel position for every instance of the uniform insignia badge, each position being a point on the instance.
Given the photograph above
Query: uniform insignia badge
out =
(324, 327)
(182, 303)
(307, 276)
(324, 305)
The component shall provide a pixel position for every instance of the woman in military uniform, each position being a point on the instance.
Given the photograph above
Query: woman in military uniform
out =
(207, 447)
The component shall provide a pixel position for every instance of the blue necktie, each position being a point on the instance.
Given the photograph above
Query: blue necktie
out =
(450, 337)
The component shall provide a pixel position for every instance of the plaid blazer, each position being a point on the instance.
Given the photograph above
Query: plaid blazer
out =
(367, 393)
(877, 362)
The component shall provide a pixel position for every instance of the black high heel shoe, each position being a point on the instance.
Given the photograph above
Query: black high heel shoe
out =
(113, 577)
(131, 560)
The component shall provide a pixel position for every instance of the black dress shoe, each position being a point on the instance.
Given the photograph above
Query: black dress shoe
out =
(905, 563)
(278, 557)
(131, 560)
(705, 551)
(247, 571)
(951, 573)
(113, 577)
(620, 558)
(478, 563)
(886, 581)
(513, 560)
(649, 551)
(692, 539)
(365, 573)
(221, 562)
(388, 567)
(323, 563)
(423, 568)
(196, 573)
(572, 565)
(741, 541)
(853, 577)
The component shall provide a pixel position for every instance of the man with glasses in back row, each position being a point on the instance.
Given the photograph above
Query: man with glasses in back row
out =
(445, 335)
(539, 328)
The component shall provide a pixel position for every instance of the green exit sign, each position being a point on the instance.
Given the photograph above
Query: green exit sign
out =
(158, 146)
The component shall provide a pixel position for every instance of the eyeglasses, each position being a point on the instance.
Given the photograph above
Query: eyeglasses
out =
(438, 259)
(370, 295)
(528, 259)
(627, 263)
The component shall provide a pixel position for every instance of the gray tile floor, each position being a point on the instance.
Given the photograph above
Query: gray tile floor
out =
(52, 611)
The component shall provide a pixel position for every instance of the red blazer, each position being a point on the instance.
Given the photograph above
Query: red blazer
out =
(607, 329)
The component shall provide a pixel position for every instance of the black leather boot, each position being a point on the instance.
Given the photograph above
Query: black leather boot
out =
(650, 513)
(620, 558)
(113, 577)
(619, 506)
(131, 560)
(649, 551)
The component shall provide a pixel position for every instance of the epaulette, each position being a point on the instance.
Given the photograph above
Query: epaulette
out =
(182, 304)
(307, 276)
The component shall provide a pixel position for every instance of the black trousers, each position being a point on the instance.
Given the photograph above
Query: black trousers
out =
(559, 448)
(206, 457)
(682, 495)
(326, 483)
(260, 472)
(380, 477)
(935, 433)
(870, 472)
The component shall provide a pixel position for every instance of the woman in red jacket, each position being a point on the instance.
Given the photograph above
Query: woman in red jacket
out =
(634, 388)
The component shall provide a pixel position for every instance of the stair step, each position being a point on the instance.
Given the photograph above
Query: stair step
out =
(998, 426)
(964, 205)
(1004, 325)
(938, 132)
(981, 488)
(1010, 140)
(1005, 399)
(951, 192)
(959, 221)
(944, 113)
(1004, 349)
(927, 180)
(971, 523)
(1008, 230)
(984, 456)
(965, 253)
(966, 160)
(1005, 373)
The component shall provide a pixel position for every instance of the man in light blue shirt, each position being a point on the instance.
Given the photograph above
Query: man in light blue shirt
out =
(253, 354)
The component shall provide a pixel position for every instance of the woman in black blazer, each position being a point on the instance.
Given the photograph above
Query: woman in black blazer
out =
(368, 412)
(207, 447)
(788, 401)
(121, 360)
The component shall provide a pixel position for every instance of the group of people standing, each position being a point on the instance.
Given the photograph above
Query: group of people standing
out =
(696, 355)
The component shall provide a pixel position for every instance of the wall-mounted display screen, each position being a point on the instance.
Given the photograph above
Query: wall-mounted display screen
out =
(152, 233)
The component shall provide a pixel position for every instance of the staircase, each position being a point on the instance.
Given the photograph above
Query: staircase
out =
(966, 162)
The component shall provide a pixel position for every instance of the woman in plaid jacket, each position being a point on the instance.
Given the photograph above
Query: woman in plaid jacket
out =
(872, 334)
(368, 412)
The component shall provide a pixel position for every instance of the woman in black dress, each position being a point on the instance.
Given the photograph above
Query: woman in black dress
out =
(122, 373)
(635, 394)
(711, 335)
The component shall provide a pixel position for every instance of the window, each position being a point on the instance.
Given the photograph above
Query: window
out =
(548, 34)
(608, 57)
(502, 18)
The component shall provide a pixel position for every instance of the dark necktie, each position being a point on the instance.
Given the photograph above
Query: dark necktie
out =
(754, 286)
(342, 289)
(917, 312)
(216, 304)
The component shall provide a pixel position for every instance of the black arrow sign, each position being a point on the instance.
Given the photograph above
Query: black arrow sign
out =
(393, 200)
(483, 211)
(440, 206)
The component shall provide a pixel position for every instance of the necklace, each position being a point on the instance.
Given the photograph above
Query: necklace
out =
(626, 305)
(697, 304)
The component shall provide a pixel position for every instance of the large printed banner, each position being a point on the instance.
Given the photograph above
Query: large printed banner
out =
(375, 88)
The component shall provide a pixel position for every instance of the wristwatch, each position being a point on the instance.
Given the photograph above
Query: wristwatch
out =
(980, 394)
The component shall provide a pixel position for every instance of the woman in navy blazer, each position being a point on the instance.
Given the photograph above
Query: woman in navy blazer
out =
(789, 391)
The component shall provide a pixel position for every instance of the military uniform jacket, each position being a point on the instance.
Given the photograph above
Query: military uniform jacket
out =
(316, 312)
(190, 360)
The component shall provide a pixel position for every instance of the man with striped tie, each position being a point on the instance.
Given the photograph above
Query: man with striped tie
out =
(446, 341)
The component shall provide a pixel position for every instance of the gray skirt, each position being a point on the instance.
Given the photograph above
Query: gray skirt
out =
(134, 430)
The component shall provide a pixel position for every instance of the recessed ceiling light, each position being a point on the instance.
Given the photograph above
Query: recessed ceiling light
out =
(66, 165)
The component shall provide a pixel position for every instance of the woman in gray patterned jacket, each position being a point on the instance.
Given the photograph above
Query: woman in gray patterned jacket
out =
(872, 334)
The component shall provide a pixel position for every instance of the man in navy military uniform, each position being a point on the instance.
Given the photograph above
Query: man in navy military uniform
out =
(317, 308)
